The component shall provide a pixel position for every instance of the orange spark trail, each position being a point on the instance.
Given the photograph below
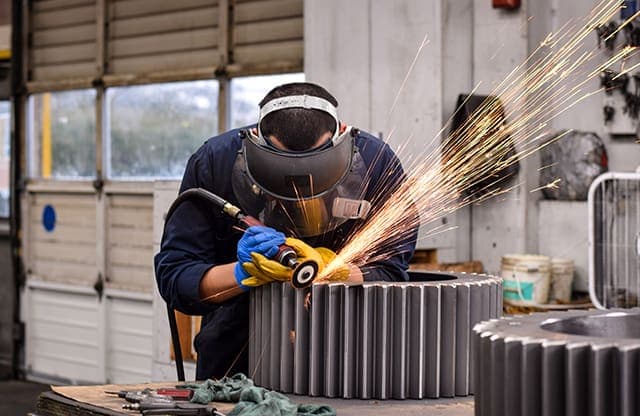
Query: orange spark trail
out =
(551, 185)
(550, 81)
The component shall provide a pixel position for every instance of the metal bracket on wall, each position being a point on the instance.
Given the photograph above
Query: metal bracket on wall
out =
(98, 286)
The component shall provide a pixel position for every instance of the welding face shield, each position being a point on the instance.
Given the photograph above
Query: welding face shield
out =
(301, 193)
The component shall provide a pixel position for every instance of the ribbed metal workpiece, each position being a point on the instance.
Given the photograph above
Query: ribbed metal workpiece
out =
(377, 340)
(563, 363)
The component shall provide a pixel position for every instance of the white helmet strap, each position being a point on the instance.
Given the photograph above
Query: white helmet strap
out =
(309, 102)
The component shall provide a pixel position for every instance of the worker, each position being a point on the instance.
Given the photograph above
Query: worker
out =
(309, 178)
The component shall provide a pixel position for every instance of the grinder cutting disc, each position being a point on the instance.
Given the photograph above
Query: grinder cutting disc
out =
(304, 274)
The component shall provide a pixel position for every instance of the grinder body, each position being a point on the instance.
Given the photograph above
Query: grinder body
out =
(303, 273)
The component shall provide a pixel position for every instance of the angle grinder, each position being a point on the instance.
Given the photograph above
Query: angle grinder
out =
(304, 273)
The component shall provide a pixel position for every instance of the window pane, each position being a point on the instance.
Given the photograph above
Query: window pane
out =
(5, 141)
(155, 128)
(246, 93)
(62, 139)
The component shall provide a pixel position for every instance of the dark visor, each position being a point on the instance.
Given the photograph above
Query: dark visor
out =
(298, 175)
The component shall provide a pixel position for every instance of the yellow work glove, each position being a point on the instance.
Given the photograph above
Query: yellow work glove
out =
(264, 270)
(339, 272)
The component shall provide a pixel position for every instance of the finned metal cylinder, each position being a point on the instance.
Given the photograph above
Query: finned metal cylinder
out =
(378, 340)
(561, 363)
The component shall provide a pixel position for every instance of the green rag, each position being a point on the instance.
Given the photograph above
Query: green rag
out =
(227, 389)
(252, 400)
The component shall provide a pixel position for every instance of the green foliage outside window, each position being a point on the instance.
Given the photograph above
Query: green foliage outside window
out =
(72, 129)
(155, 128)
(150, 130)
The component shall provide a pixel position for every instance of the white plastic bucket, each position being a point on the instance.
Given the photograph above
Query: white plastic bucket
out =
(561, 279)
(526, 278)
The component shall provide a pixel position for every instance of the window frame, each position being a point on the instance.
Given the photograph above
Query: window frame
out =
(31, 141)
(240, 50)
(102, 139)
(4, 224)
(107, 142)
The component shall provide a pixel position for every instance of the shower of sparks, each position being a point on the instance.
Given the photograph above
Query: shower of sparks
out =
(424, 43)
(551, 185)
(552, 80)
(541, 168)
(626, 70)
(623, 23)
(497, 52)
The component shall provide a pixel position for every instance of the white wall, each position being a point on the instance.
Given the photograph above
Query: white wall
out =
(361, 50)
(457, 78)
(624, 153)
(562, 225)
(563, 232)
(499, 44)
(337, 44)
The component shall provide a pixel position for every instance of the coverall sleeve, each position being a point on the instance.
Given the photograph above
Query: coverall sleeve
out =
(387, 175)
(188, 244)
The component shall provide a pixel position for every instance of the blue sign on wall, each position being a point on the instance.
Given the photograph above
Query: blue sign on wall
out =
(49, 218)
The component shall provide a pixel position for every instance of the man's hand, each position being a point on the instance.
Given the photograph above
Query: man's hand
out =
(264, 270)
(336, 269)
(256, 240)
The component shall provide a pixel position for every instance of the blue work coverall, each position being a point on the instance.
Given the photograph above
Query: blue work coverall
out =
(197, 237)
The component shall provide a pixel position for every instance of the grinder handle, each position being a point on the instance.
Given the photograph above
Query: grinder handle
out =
(285, 255)
(303, 274)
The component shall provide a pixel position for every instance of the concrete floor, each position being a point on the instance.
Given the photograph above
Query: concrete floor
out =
(19, 397)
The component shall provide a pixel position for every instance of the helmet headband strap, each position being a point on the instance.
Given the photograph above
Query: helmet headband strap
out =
(308, 102)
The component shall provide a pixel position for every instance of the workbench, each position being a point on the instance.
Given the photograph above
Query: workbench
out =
(92, 400)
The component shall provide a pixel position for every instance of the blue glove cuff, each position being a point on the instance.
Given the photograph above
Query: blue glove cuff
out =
(240, 274)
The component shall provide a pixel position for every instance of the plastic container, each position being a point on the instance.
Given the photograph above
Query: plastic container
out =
(526, 278)
(561, 279)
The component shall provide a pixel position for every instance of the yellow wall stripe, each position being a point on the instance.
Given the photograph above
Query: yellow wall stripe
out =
(46, 135)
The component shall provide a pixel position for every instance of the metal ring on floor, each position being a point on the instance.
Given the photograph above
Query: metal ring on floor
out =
(379, 340)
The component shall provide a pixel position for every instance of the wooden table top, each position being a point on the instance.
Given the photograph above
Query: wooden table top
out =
(92, 400)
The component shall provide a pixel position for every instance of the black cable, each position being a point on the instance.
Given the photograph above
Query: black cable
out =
(219, 203)
(175, 339)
